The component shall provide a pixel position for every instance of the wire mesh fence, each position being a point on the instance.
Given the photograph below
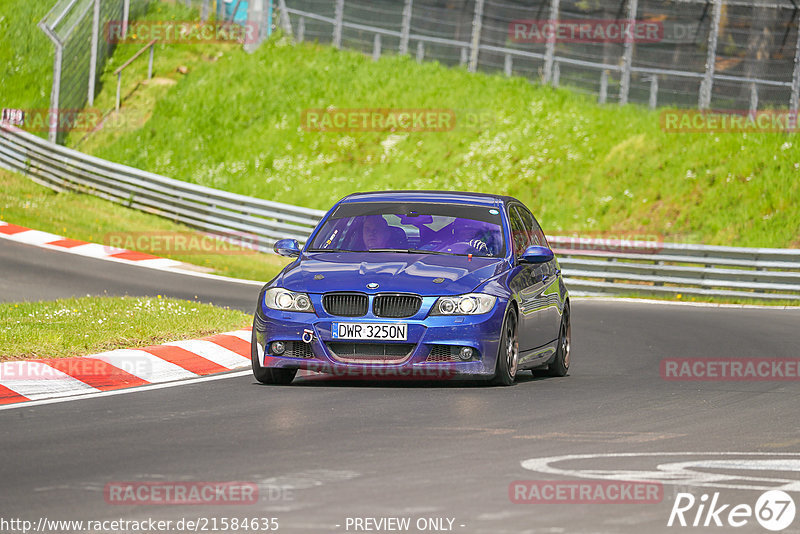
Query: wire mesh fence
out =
(79, 30)
(720, 54)
(75, 27)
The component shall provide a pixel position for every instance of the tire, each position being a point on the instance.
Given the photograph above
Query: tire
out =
(268, 375)
(560, 365)
(508, 353)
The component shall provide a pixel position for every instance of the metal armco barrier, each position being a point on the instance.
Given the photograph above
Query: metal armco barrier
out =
(590, 266)
(200, 207)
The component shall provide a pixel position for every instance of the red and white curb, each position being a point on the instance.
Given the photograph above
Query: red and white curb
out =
(31, 380)
(50, 241)
(94, 250)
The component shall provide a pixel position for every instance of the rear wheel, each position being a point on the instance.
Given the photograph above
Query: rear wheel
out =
(508, 354)
(560, 364)
(268, 375)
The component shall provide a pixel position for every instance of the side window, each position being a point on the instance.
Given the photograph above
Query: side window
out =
(527, 225)
(519, 236)
(533, 228)
(539, 233)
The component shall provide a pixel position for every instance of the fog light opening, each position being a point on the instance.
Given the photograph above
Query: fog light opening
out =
(465, 353)
(278, 347)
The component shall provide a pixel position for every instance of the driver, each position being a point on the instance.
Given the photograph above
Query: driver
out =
(375, 232)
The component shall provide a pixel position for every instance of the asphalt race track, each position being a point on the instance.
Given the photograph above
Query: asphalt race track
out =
(323, 451)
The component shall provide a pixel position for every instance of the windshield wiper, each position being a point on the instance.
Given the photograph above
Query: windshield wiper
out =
(328, 250)
(410, 251)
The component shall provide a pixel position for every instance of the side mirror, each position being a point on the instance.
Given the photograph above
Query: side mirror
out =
(536, 254)
(287, 247)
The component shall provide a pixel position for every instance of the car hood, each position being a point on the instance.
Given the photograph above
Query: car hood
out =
(414, 273)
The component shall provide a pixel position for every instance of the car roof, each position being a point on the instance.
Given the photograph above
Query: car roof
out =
(429, 196)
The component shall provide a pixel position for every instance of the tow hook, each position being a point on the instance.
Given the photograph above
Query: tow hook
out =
(308, 336)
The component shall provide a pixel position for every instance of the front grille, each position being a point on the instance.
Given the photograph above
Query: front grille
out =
(370, 352)
(396, 306)
(443, 353)
(345, 304)
(297, 349)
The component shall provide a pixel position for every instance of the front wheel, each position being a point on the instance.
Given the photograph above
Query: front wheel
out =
(268, 375)
(560, 364)
(508, 354)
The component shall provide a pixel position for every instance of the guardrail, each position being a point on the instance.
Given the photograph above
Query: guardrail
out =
(590, 266)
(200, 207)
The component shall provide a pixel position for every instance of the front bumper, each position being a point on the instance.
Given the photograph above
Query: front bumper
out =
(426, 337)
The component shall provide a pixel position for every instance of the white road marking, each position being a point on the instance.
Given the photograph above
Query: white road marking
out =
(686, 473)
(150, 387)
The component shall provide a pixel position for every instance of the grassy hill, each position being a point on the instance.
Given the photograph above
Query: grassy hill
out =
(234, 123)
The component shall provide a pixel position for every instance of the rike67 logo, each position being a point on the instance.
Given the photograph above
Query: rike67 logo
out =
(774, 510)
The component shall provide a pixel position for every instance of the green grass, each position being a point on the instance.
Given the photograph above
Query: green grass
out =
(26, 55)
(88, 218)
(88, 325)
(234, 124)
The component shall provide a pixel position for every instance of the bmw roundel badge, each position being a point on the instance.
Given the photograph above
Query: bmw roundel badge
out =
(372, 285)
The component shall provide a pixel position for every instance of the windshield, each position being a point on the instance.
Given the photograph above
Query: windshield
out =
(457, 229)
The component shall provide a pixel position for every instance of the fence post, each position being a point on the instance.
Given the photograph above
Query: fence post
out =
(286, 22)
(405, 29)
(603, 87)
(704, 99)
(627, 54)
(507, 65)
(556, 73)
(420, 51)
(464, 56)
(268, 23)
(93, 52)
(795, 96)
(477, 24)
(301, 29)
(337, 25)
(126, 14)
(550, 49)
(753, 98)
(55, 92)
(204, 10)
(376, 47)
(150, 62)
(654, 91)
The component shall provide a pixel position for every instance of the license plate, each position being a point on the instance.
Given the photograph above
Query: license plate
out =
(382, 331)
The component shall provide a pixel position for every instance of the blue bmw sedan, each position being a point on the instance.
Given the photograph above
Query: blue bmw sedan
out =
(416, 284)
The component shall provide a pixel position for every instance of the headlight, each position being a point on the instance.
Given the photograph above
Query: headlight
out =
(470, 304)
(278, 298)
